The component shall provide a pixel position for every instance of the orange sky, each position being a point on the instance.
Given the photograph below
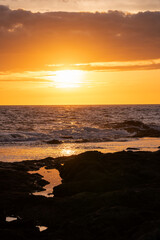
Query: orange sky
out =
(79, 58)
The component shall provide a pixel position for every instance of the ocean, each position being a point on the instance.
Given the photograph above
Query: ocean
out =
(30, 132)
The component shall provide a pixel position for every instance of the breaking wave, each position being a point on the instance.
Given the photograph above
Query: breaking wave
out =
(78, 124)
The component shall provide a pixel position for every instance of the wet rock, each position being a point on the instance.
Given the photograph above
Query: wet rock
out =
(102, 196)
(19, 230)
(139, 129)
(96, 172)
(54, 141)
(148, 133)
(132, 149)
(67, 137)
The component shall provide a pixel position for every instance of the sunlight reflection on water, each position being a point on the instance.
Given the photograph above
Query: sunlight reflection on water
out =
(17, 153)
(10, 219)
(68, 152)
(50, 175)
(42, 228)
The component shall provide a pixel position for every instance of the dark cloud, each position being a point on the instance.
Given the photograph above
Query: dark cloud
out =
(31, 40)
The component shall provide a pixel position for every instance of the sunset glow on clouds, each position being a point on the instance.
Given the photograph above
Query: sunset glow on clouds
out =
(38, 39)
(34, 45)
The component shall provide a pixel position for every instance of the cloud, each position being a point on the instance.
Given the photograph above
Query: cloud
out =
(40, 76)
(30, 41)
(83, 5)
(111, 66)
(49, 75)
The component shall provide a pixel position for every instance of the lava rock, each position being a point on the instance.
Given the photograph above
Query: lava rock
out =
(54, 141)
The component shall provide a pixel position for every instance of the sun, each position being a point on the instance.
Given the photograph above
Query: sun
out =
(68, 78)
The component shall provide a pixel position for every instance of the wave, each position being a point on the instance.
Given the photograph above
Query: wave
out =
(41, 125)
(20, 137)
(121, 131)
(73, 135)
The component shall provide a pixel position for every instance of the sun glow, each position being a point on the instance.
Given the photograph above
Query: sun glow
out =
(68, 78)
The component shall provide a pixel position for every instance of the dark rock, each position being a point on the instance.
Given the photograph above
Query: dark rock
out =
(148, 133)
(54, 141)
(134, 149)
(139, 129)
(102, 196)
(67, 137)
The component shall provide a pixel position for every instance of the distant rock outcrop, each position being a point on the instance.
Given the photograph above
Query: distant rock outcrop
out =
(54, 141)
(138, 129)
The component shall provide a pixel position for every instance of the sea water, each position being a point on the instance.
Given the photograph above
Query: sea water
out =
(25, 131)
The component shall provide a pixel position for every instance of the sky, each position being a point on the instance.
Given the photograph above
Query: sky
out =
(83, 5)
(79, 52)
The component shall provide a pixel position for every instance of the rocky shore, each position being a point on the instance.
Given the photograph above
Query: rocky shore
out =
(114, 196)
